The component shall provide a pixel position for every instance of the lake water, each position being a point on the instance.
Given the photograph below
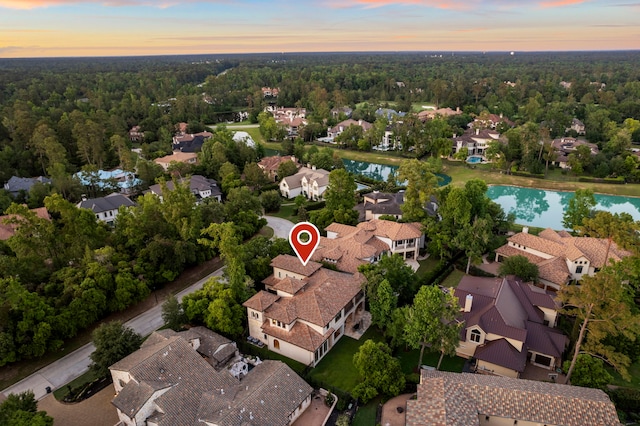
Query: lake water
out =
(381, 171)
(544, 209)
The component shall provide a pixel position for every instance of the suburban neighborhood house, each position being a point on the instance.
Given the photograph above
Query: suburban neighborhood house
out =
(8, 230)
(16, 184)
(475, 140)
(452, 399)
(335, 131)
(177, 157)
(348, 247)
(310, 182)
(305, 310)
(190, 142)
(506, 323)
(200, 186)
(566, 146)
(560, 256)
(197, 377)
(376, 204)
(269, 165)
(106, 208)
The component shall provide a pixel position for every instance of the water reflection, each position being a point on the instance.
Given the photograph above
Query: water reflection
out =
(538, 207)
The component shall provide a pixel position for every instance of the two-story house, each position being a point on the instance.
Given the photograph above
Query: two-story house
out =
(376, 204)
(304, 310)
(197, 377)
(270, 165)
(506, 323)
(106, 208)
(177, 157)
(565, 146)
(348, 247)
(560, 257)
(475, 140)
(335, 131)
(200, 186)
(310, 182)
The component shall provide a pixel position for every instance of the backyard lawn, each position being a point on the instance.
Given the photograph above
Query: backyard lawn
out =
(634, 371)
(287, 211)
(409, 361)
(336, 368)
(427, 265)
(453, 279)
(366, 414)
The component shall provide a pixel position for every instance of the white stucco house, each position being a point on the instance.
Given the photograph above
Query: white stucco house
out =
(310, 182)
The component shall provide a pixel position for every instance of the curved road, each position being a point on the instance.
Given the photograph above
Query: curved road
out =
(64, 370)
(281, 227)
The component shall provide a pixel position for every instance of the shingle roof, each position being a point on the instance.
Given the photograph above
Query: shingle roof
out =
(197, 184)
(267, 395)
(7, 230)
(320, 176)
(446, 399)
(104, 204)
(16, 184)
(500, 352)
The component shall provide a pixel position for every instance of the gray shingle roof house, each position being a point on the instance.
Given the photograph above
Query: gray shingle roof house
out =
(199, 185)
(448, 399)
(187, 378)
(506, 323)
(106, 208)
(16, 184)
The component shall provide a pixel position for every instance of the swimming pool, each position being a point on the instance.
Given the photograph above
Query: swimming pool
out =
(474, 159)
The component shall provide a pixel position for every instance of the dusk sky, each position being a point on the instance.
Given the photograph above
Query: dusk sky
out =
(36, 28)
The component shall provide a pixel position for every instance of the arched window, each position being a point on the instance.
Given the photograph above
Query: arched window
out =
(475, 336)
(276, 344)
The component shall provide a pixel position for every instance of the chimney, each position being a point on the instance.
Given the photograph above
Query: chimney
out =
(525, 229)
(458, 109)
(313, 167)
(468, 302)
(84, 197)
(359, 122)
(478, 131)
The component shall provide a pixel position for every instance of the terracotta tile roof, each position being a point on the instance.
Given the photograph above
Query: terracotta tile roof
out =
(7, 230)
(289, 285)
(293, 264)
(447, 399)
(500, 352)
(272, 163)
(561, 247)
(343, 125)
(300, 335)
(180, 157)
(261, 301)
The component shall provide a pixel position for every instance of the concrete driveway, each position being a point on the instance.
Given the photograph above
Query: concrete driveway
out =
(77, 363)
(281, 227)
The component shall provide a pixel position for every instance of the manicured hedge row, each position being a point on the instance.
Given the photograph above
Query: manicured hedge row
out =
(616, 181)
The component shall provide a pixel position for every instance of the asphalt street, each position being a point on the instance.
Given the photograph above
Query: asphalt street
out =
(64, 370)
(281, 227)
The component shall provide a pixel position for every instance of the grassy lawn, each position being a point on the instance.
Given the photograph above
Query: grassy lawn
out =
(286, 212)
(634, 371)
(366, 414)
(336, 368)
(409, 361)
(460, 174)
(87, 377)
(453, 279)
(426, 265)
(266, 232)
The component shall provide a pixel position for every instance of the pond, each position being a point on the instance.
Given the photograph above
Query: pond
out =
(380, 171)
(544, 209)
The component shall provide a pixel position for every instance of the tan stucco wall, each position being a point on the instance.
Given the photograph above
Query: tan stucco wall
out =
(497, 370)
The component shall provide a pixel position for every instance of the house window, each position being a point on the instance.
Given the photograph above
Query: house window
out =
(338, 316)
(543, 360)
(255, 315)
(475, 336)
(579, 270)
(276, 344)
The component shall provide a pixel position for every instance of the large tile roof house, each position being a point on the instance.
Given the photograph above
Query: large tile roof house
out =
(106, 208)
(269, 165)
(560, 256)
(336, 130)
(178, 157)
(310, 182)
(348, 247)
(475, 140)
(305, 308)
(8, 230)
(200, 186)
(198, 378)
(506, 323)
(565, 146)
(463, 399)
(430, 114)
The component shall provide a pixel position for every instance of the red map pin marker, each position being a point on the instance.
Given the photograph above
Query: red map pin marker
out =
(304, 249)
